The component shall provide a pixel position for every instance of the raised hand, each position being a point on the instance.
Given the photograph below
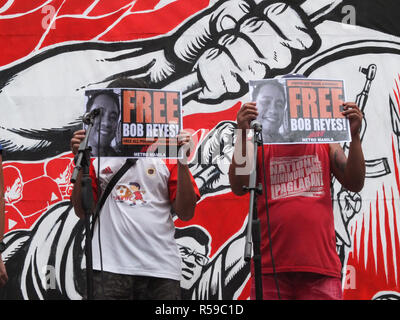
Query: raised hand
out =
(247, 113)
(237, 41)
(76, 140)
(186, 144)
(352, 112)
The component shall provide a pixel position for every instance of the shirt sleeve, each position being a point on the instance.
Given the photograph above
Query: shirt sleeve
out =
(326, 147)
(173, 183)
(92, 174)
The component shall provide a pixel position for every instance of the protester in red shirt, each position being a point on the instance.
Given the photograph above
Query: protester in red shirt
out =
(300, 209)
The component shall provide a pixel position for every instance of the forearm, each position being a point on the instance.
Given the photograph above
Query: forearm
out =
(242, 162)
(3, 271)
(354, 174)
(186, 198)
(2, 216)
(2, 201)
(76, 197)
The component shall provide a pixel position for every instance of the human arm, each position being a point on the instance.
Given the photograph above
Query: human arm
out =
(3, 271)
(242, 160)
(76, 196)
(350, 170)
(186, 197)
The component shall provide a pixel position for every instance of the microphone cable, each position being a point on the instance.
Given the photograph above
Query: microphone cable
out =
(268, 221)
(98, 197)
(98, 218)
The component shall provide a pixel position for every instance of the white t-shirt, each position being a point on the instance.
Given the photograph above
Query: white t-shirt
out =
(136, 225)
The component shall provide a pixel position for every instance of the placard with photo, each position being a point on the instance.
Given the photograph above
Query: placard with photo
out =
(293, 110)
(135, 123)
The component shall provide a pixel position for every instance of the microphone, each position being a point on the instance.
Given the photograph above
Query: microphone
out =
(256, 125)
(88, 117)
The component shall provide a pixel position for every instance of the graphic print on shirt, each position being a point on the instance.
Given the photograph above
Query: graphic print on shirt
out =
(137, 193)
(296, 176)
(130, 194)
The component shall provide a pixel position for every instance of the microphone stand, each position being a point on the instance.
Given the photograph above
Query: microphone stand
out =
(253, 223)
(82, 161)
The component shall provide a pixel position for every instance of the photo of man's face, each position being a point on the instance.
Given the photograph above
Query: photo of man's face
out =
(270, 103)
(106, 123)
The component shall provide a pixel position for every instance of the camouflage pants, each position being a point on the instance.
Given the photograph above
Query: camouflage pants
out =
(112, 286)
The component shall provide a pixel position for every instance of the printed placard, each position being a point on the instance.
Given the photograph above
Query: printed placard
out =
(293, 110)
(135, 122)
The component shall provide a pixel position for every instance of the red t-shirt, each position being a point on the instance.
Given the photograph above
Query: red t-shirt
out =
(300, 210)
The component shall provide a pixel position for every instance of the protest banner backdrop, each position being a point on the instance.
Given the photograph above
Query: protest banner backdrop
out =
(301, 110)
(135, 123)
(52, 51)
